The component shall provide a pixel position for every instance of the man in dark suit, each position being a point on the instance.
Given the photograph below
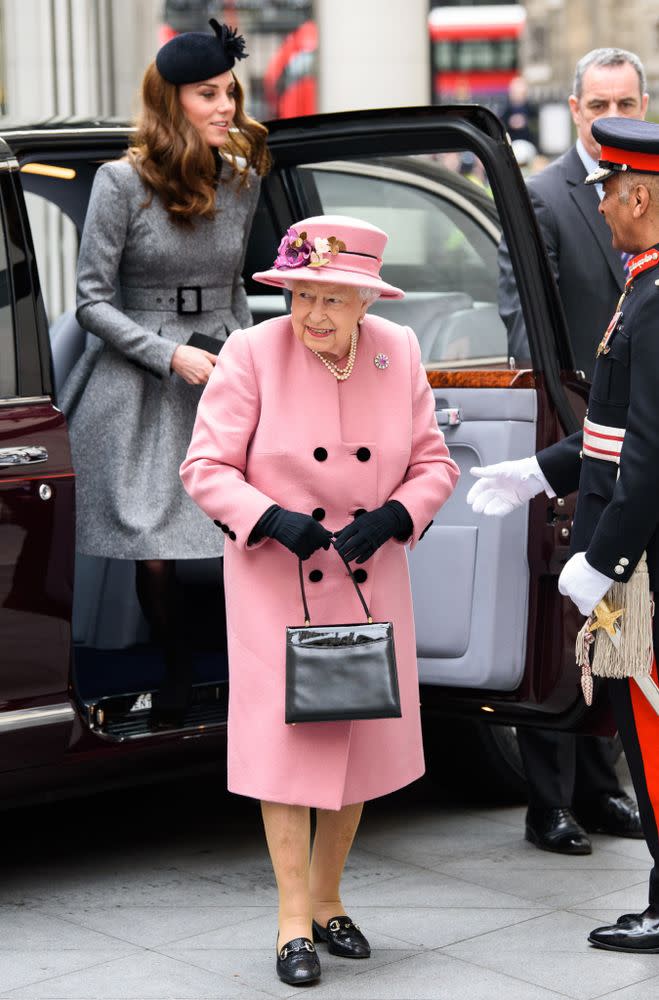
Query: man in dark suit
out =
(570, 774)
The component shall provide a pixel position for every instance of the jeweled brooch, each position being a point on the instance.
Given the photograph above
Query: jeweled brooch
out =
(381, 361)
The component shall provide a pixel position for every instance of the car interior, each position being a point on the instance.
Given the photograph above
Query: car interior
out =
(444, 234)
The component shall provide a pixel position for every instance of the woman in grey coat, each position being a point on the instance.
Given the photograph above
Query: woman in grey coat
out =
(160, 260)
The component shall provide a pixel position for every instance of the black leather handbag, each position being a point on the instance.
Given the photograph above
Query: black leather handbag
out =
(341, 672)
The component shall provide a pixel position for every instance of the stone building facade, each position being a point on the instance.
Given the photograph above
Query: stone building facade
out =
(559, 32)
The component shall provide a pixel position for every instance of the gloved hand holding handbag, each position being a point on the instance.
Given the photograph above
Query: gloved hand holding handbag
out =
(300, 533)
(360, 539)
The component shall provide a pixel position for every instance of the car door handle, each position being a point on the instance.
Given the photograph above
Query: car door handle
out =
(449, 416)
(23, 455)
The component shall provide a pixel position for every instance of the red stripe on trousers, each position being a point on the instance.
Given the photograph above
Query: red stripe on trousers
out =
(646, 720)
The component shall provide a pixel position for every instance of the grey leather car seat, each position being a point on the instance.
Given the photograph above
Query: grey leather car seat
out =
(478, 332)
(67, 341)
(425, 312)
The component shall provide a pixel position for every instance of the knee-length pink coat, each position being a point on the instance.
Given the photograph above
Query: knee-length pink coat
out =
(275, 426)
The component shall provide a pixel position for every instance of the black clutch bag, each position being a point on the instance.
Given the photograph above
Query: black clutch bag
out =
(336, 673)
(206, 343)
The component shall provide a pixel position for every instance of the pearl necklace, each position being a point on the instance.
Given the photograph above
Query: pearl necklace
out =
(341, 374)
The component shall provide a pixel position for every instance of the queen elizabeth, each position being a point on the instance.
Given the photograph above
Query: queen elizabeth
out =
(317, 431)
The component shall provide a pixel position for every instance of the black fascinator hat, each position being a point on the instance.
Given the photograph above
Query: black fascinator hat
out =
(195, 55)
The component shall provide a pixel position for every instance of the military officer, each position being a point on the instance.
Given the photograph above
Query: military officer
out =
(614, 464)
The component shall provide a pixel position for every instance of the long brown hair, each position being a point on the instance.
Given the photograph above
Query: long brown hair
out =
(173, 160)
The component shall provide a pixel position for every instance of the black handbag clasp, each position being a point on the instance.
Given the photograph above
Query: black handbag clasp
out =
(181, 301)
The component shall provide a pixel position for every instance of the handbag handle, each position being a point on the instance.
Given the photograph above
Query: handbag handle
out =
(307, 619)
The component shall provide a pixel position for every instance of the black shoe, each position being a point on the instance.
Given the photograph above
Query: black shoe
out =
(616, 815)
(635, 932)
(298, 963)
(556, 830)
(342, 938)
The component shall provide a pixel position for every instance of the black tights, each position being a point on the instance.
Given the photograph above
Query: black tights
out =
(161, 601)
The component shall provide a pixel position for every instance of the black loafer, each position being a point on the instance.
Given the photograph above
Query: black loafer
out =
(615, 815)
(298, 963)
(342, 937)
(635, 932)
(556, 830)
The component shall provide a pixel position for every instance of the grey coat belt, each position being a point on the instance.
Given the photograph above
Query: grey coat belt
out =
(183, 299)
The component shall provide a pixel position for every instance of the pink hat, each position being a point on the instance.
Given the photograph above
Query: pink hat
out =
(331, 248)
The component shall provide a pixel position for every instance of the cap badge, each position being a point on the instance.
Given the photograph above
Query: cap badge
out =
(381, 361)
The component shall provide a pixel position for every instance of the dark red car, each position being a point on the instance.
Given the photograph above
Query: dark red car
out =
(495, 641)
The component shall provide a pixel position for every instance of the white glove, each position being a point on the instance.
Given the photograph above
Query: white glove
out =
(582, 583)
(502, 487)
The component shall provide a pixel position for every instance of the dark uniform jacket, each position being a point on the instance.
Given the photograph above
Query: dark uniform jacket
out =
(617, 517)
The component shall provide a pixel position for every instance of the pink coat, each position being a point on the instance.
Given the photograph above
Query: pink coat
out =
(275, 426)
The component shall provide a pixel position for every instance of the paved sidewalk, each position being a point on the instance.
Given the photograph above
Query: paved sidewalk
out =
(167, 894)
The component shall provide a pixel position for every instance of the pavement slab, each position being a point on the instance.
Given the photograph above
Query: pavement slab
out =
(142, 976)
(456, 904)
(152, 926)
(429, 976)
(254, 969)
(552, 951)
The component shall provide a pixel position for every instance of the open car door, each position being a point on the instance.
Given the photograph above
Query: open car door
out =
(493, 634)
(36, 510)
(495, 639)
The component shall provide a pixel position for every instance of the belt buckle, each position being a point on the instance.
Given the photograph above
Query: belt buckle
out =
(180, 300)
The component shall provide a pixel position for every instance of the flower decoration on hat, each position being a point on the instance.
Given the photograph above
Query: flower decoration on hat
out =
(324, 249)
(234, 44)
(295, 250)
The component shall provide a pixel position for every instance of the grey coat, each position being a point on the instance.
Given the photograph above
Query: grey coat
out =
(130, 418)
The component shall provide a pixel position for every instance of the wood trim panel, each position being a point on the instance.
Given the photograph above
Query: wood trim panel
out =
(523, 379)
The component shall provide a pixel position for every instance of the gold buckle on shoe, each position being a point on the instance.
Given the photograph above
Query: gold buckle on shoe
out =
(285, 951)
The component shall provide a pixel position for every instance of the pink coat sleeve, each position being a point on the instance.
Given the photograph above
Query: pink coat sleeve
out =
(431, 475)
(213, 471)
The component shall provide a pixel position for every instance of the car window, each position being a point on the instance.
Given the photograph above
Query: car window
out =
(56, 241)
(56, 249)
(443, 237)
(7, 344)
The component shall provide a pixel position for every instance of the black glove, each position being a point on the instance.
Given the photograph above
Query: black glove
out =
(364, 536)
(298, 532)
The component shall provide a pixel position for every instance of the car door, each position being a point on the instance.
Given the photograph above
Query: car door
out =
(493, 635)
(494, 638)
(36, 509)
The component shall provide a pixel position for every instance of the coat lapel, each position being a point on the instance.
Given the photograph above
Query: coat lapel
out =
(586, 200)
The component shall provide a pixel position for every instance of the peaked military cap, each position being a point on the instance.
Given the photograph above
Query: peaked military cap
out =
(199, 55)
(627, 144)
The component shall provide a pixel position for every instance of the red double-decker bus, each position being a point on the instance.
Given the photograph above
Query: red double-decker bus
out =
(289, 82)
(475, 51)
